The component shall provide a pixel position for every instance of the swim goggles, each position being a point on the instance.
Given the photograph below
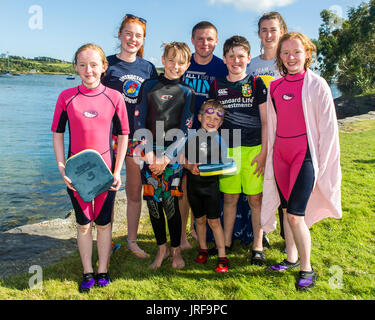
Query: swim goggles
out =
(212, 110)
(130, 16)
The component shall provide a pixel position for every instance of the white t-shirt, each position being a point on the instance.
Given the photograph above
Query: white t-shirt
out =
(258, 66)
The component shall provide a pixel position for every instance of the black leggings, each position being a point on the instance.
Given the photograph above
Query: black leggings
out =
(170, 207)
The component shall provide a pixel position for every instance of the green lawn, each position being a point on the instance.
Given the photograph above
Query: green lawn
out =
(343, 254)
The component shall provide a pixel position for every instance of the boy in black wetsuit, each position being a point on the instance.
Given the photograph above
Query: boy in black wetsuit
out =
(161, 119)
(203, 191)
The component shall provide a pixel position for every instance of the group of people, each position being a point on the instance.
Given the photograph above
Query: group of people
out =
(271, 116)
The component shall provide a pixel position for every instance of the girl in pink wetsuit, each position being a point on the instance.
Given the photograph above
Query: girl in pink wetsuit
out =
(303, 162)
(94, 112)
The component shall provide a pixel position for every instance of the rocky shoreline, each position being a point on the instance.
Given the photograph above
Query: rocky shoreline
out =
(47, 242)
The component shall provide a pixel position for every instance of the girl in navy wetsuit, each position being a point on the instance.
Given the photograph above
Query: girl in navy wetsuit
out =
(126, 73)
(165, 104)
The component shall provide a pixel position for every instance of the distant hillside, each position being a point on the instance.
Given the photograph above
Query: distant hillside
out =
(38, 64)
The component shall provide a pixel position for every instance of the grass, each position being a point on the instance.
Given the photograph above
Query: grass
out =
(342, 253)
(25, 65)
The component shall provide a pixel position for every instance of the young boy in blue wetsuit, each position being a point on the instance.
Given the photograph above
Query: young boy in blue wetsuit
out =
(203, 191)
(165, 104)
(244, 100)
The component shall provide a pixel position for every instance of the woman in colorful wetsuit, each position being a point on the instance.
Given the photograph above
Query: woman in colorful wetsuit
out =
(93, 112)
(126, 73)
(303, 161)
(164, 111)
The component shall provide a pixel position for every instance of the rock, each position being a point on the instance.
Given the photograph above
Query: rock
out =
(354, 106)
(46, 242)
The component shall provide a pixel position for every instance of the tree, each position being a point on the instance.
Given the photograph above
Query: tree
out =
(346, 48)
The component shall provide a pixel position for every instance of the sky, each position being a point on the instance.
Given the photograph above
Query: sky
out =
(32, 28)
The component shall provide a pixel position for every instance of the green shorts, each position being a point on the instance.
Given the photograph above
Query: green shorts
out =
(244, 180)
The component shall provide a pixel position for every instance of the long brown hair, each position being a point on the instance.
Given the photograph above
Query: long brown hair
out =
(273, 15)
(270, 16)
(142, 24)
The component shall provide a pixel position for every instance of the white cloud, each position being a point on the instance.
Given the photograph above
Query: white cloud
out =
(254, 5)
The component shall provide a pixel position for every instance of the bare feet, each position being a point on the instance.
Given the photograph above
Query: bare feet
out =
(194, 234)
(177, 261)
(185, 245)
(137, 251)
(162, 254)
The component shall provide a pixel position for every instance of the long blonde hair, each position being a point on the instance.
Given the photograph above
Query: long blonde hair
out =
(92, 46)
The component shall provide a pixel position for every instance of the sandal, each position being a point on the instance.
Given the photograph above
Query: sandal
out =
(139, 253)
(103, 279)
(306, 280)
(87, 283)
(284, 265)
(266, 241)
(202, 256)
(222, 265)
(258, 258)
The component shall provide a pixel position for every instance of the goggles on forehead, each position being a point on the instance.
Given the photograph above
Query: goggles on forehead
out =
(212, 110)
(130, 16)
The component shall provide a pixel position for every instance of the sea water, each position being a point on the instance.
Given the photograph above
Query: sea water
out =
(32, 189)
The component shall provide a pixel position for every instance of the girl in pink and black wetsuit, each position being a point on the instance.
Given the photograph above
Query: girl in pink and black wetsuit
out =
(94, 112)
(292, 164)
(303, 158)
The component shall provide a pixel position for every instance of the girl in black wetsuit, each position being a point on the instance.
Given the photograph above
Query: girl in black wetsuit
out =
(165, 104)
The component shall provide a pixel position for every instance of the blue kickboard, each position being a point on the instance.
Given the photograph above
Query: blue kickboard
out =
(89, 174)
(216, 169)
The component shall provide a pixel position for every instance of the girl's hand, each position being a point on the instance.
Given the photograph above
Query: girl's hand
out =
(68, 182)
(193, 168)
(260, 160)
(116, 182)
(157, 168)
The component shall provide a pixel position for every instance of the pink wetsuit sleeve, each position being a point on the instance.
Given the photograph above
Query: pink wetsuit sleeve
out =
(122, 115)
(60, 116)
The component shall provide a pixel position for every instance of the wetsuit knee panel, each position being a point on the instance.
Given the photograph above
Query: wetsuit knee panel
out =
(105, 214)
